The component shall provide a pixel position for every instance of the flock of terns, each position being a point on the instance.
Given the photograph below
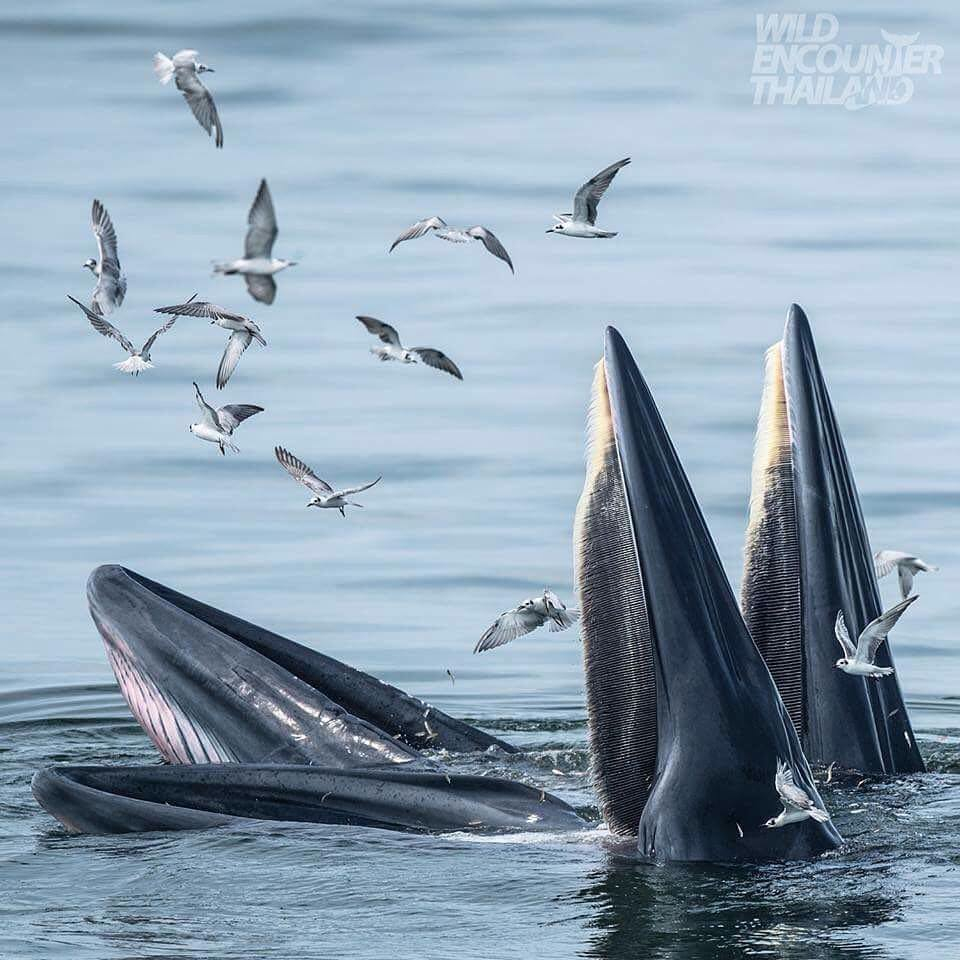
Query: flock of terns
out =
(258, 267)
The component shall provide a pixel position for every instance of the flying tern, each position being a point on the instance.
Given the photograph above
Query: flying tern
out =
(583, 221)
(111, 283)
(455, 235)
(906, 565)
(243, 331)
(217, 425)
(184, 69)
(797, 803)
(525, 617)
(258, 264)
(394, 349)
(139, 359)
(859, 660)
(324, 495)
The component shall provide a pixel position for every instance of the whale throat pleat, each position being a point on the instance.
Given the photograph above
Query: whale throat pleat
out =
(178, 737)
(770, 591)
(617, 645)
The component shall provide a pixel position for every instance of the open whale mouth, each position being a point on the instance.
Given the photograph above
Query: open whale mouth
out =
(807, 557)
(255, 726)
(686, 726)
(208, 687)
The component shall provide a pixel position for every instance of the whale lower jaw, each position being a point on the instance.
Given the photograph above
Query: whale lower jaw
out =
(686, 726)
(105, 800)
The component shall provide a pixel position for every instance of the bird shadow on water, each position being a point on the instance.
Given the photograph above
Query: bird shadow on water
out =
(791, 911)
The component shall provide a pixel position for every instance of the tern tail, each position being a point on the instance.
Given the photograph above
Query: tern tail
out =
(163, 67)
(133, 365)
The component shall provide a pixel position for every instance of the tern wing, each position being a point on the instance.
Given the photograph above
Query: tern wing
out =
(200, 308)
(875, 632)
(105, 327)
(207, 412)
(184, 58)
(349, 491)
(587, 198)
(262, 226)
(492, 244)
(508, 626)
(233, 414)
(382, 330)
(198, 98)
(843, 635)
(905, 576)
(418, 230)
(106, 235)
(301, 472)
(885, 560)
(261, 287)
(145, 349)
(788, 791)
(562, 619)
(438, 360)
(237, 342)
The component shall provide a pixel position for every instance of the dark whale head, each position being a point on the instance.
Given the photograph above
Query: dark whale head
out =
(807, 557)
(686, 725)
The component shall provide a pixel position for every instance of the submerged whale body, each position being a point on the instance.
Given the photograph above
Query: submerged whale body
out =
(807, 557)
(686, 725)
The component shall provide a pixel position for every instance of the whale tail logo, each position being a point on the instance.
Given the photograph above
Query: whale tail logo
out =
(899, 39)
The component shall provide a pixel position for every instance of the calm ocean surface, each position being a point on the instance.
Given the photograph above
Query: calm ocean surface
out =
(364, 118)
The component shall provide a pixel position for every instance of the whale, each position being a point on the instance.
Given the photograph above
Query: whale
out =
(686, 725)
(253, 725)
(807, 557)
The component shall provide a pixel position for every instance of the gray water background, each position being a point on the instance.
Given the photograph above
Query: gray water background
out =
(365, 117)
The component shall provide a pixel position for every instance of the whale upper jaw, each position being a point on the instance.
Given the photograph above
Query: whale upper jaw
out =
(686, 725)
(209, 687)
(807, 556)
